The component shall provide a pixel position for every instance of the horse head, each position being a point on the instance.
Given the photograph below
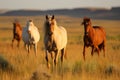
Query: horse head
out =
(87, 24)
(50, 23)
(30, 25)
(16, 27)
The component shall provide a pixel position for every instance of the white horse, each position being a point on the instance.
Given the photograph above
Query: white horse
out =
(55, 40)
(30, 36)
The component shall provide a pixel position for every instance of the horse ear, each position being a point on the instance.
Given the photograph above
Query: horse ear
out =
(46, 16)
(53, 17)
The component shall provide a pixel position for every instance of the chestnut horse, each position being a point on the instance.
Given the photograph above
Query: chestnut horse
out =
(17, 33)
(55, 40)
(94, 36)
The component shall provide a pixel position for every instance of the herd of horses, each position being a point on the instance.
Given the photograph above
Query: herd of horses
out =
(55, 38)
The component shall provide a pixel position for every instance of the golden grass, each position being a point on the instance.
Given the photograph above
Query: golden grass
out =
(16, 64)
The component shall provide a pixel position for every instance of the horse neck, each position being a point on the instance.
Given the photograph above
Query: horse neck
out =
(91, 30)
(20, 27)
(55, 27)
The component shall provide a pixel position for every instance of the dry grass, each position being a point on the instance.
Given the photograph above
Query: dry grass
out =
(17, 64)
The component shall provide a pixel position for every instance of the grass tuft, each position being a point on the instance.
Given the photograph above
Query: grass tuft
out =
(109, 70)
(91, 67)
(77, 68)
(5, 65)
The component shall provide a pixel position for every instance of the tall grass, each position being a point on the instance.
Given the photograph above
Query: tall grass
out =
(17, 64)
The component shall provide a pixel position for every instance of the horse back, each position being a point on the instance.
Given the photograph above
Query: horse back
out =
(99, 35)
(100, 30)
(35, 34)
(60, 37)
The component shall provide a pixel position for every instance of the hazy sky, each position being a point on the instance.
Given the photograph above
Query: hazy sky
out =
(57, 4)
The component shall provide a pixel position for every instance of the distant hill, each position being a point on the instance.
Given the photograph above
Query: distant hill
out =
(2, 11)
(95, 13)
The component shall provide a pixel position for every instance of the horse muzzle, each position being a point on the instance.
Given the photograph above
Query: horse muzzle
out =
(50, 33)
(29, 32)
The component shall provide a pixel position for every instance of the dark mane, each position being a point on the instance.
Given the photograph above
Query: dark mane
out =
(97, 27)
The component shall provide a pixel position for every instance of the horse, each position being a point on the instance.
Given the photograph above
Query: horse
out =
(94, 37)
(30, 36)
(17, 33)
(55, 40)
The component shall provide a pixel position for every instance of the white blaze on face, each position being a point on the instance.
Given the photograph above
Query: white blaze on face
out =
(30, 25)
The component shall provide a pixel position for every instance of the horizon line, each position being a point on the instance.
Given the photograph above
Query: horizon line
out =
(61, 8)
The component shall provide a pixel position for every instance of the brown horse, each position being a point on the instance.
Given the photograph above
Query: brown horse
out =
(94, 36)
(17, 33)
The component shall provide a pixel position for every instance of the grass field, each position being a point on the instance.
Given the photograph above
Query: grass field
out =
(16, 64)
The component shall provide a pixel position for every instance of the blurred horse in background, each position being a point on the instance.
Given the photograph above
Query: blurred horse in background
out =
(94, 36)
(55, 40)
(17, 33)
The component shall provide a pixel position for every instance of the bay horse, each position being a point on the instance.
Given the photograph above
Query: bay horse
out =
(94, 37)
(30, 36)
(55, 40)
(17, 33)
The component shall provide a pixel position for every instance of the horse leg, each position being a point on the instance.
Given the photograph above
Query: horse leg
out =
(104, 48)
(98, 50)
(56, 57)
(52, 56)
(28, 48)
(65, 53)
(92, 50)
(12, 42)
(46, 57)
(62, 55)
(84, 52)
(18, 44)
(35, 48)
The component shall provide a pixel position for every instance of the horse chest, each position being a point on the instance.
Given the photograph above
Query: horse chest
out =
(51, 46)
(87, 40)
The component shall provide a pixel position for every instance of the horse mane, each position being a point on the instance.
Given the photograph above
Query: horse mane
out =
(96, 27)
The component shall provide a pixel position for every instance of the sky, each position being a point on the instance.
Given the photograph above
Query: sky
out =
(57, 4)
